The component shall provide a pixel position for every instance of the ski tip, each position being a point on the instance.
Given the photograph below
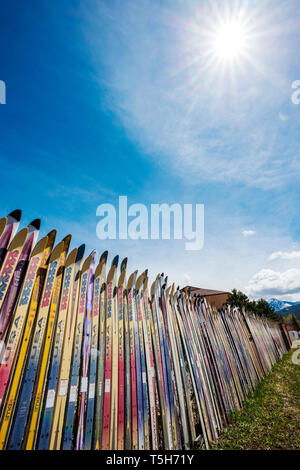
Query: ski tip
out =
(152, 290)
(35, 224)
(146, 272)
(57, 251)
(3, 223)
(124, 264)
(87, 263)
(139, 281)
(71, 257)
(51, 238)
(16, 214)
(67, 241)
(131, 280)
(115, 261)
(40, 246)
(122, 278)
(145, 282)
(80, 253)
(172, 290)
(111, 274)
(103, 257)
(18, 239)
(94, 254)
(67, 238)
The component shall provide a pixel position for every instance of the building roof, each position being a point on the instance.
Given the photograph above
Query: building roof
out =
(204, 292)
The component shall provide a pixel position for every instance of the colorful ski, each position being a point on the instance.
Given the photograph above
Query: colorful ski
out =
(86, 347)
(108, 419)
(127, 418)
(33, 385)
(146, 416)
(98, 281)
(146, 312)
(134, 412)
(52, 381)
(54, 441)
(121, 360)
(46, 355)
(20, 404)
(115, 359)
(97, 434)
(10, 262)
(72, 405)
(19, 318)
(16, 282)
(9, 227)
(17, 373)
(139, 383)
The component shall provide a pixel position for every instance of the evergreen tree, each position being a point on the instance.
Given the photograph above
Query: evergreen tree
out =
(260, 307)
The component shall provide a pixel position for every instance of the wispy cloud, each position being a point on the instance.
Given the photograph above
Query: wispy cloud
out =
(182, 109)
(269, 282)
(248, 233)
(283, 117)
(288, 255)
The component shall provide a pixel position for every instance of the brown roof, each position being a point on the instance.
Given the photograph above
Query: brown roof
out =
(204, 292)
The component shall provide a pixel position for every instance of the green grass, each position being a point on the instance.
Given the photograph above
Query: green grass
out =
(270, 418)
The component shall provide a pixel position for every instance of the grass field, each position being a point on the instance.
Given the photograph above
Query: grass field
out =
(270, 418)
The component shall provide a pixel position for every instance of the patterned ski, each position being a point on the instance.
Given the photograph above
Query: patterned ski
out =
(146, 416)
(146, 313)
(20, 403)
(170, 368)
(86, 347)
(16, 282)
(17, 373)
(8, 228)
(52, 382)
(32, 390)
(46, 355)
(54, 441)
(97, 434)
(107, 397)
(134, 414)
(127, 418)
(10, 263)
(98, 281)
(121, 360)
(71, 410)
(160, 340)
(115, 359)
(19, 318)
(139, 383)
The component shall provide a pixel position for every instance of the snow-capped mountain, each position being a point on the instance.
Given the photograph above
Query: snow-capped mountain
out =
(285, 308)
(280, 304)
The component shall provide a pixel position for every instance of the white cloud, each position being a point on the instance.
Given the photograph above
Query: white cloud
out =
(284, 255)
(269, 282)
(248, 233)
(283, 117)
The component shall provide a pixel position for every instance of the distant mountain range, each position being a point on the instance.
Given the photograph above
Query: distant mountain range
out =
(284, 308)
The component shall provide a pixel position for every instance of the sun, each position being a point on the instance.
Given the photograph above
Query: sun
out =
(229, 41)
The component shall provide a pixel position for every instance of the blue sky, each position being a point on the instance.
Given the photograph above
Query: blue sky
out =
(121, 97)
